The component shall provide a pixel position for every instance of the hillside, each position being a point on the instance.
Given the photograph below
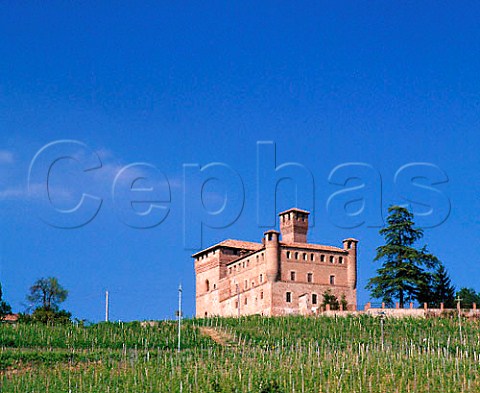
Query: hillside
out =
(254, 354)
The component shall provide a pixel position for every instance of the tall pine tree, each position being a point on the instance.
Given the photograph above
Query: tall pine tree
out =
(405, 271)
(443, 290)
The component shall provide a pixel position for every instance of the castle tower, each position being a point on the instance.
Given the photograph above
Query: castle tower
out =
(272, 255)
(350, 245)
(294, 225)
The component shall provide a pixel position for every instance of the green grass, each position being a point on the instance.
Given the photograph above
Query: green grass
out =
(291, 354)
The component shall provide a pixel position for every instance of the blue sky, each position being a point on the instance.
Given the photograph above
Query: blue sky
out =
(168, 84)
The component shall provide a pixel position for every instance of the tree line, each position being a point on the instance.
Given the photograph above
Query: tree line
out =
(408, 273)
(45, 295)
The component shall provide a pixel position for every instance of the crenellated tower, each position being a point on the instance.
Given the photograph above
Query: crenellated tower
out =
(294, 225)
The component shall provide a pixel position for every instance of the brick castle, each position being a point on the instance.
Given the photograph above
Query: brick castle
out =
(274, 277)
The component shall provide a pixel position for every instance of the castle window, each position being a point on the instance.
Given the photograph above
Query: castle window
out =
(340, 259)
(245, 301)
(293, 276)
(288, 255)
(322, 258)
(312, 257)
(288, 297)
(207, 285)
(305, 256)
(246, 284)
(296, 255)
(236, 304)
(332, 280)
(309, 277)
(261, 277)
(349, 245)
(332, 259)
(261, 295)
(206, 313)
(248, 262)
(257, 258)
(214, 286)
(314, 298)
(243, 264)
(229, 270)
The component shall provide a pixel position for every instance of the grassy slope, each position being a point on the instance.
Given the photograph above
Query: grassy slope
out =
(264, 354)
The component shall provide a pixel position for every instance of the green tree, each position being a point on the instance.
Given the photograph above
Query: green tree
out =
(329, 298)
(405, 270)
(442, 288)
(5, 308)
(50, 317)
(436, 288)
(468, 296)
(47, 293)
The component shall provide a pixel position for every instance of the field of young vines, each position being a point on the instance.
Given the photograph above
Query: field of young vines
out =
(252, 354)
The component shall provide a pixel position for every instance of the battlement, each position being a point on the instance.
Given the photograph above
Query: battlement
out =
(294, 225)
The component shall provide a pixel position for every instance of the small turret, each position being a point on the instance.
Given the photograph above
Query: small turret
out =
(350, 245)
(272, 255)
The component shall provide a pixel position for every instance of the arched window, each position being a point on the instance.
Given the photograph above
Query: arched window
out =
(305, 256)
(332, 280)
(340, 259)
(296, 255)
(322, 258)
(312, 257)
(207, 285)
(332, 259)
(288, 254)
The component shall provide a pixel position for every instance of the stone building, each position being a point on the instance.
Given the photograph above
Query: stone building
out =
(277, 276)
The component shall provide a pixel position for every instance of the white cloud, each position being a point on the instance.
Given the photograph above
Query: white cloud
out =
(37, 191)
(6, 157)
(100, 180)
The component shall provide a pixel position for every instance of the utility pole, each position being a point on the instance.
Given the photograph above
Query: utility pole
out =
(179, 315)
(382, 323)
(106, 306)
(458, 300)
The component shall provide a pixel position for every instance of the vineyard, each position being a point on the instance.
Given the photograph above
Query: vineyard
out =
(251, 354)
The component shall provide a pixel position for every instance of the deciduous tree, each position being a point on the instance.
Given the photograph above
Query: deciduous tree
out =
(47, 293)
(468, 296)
